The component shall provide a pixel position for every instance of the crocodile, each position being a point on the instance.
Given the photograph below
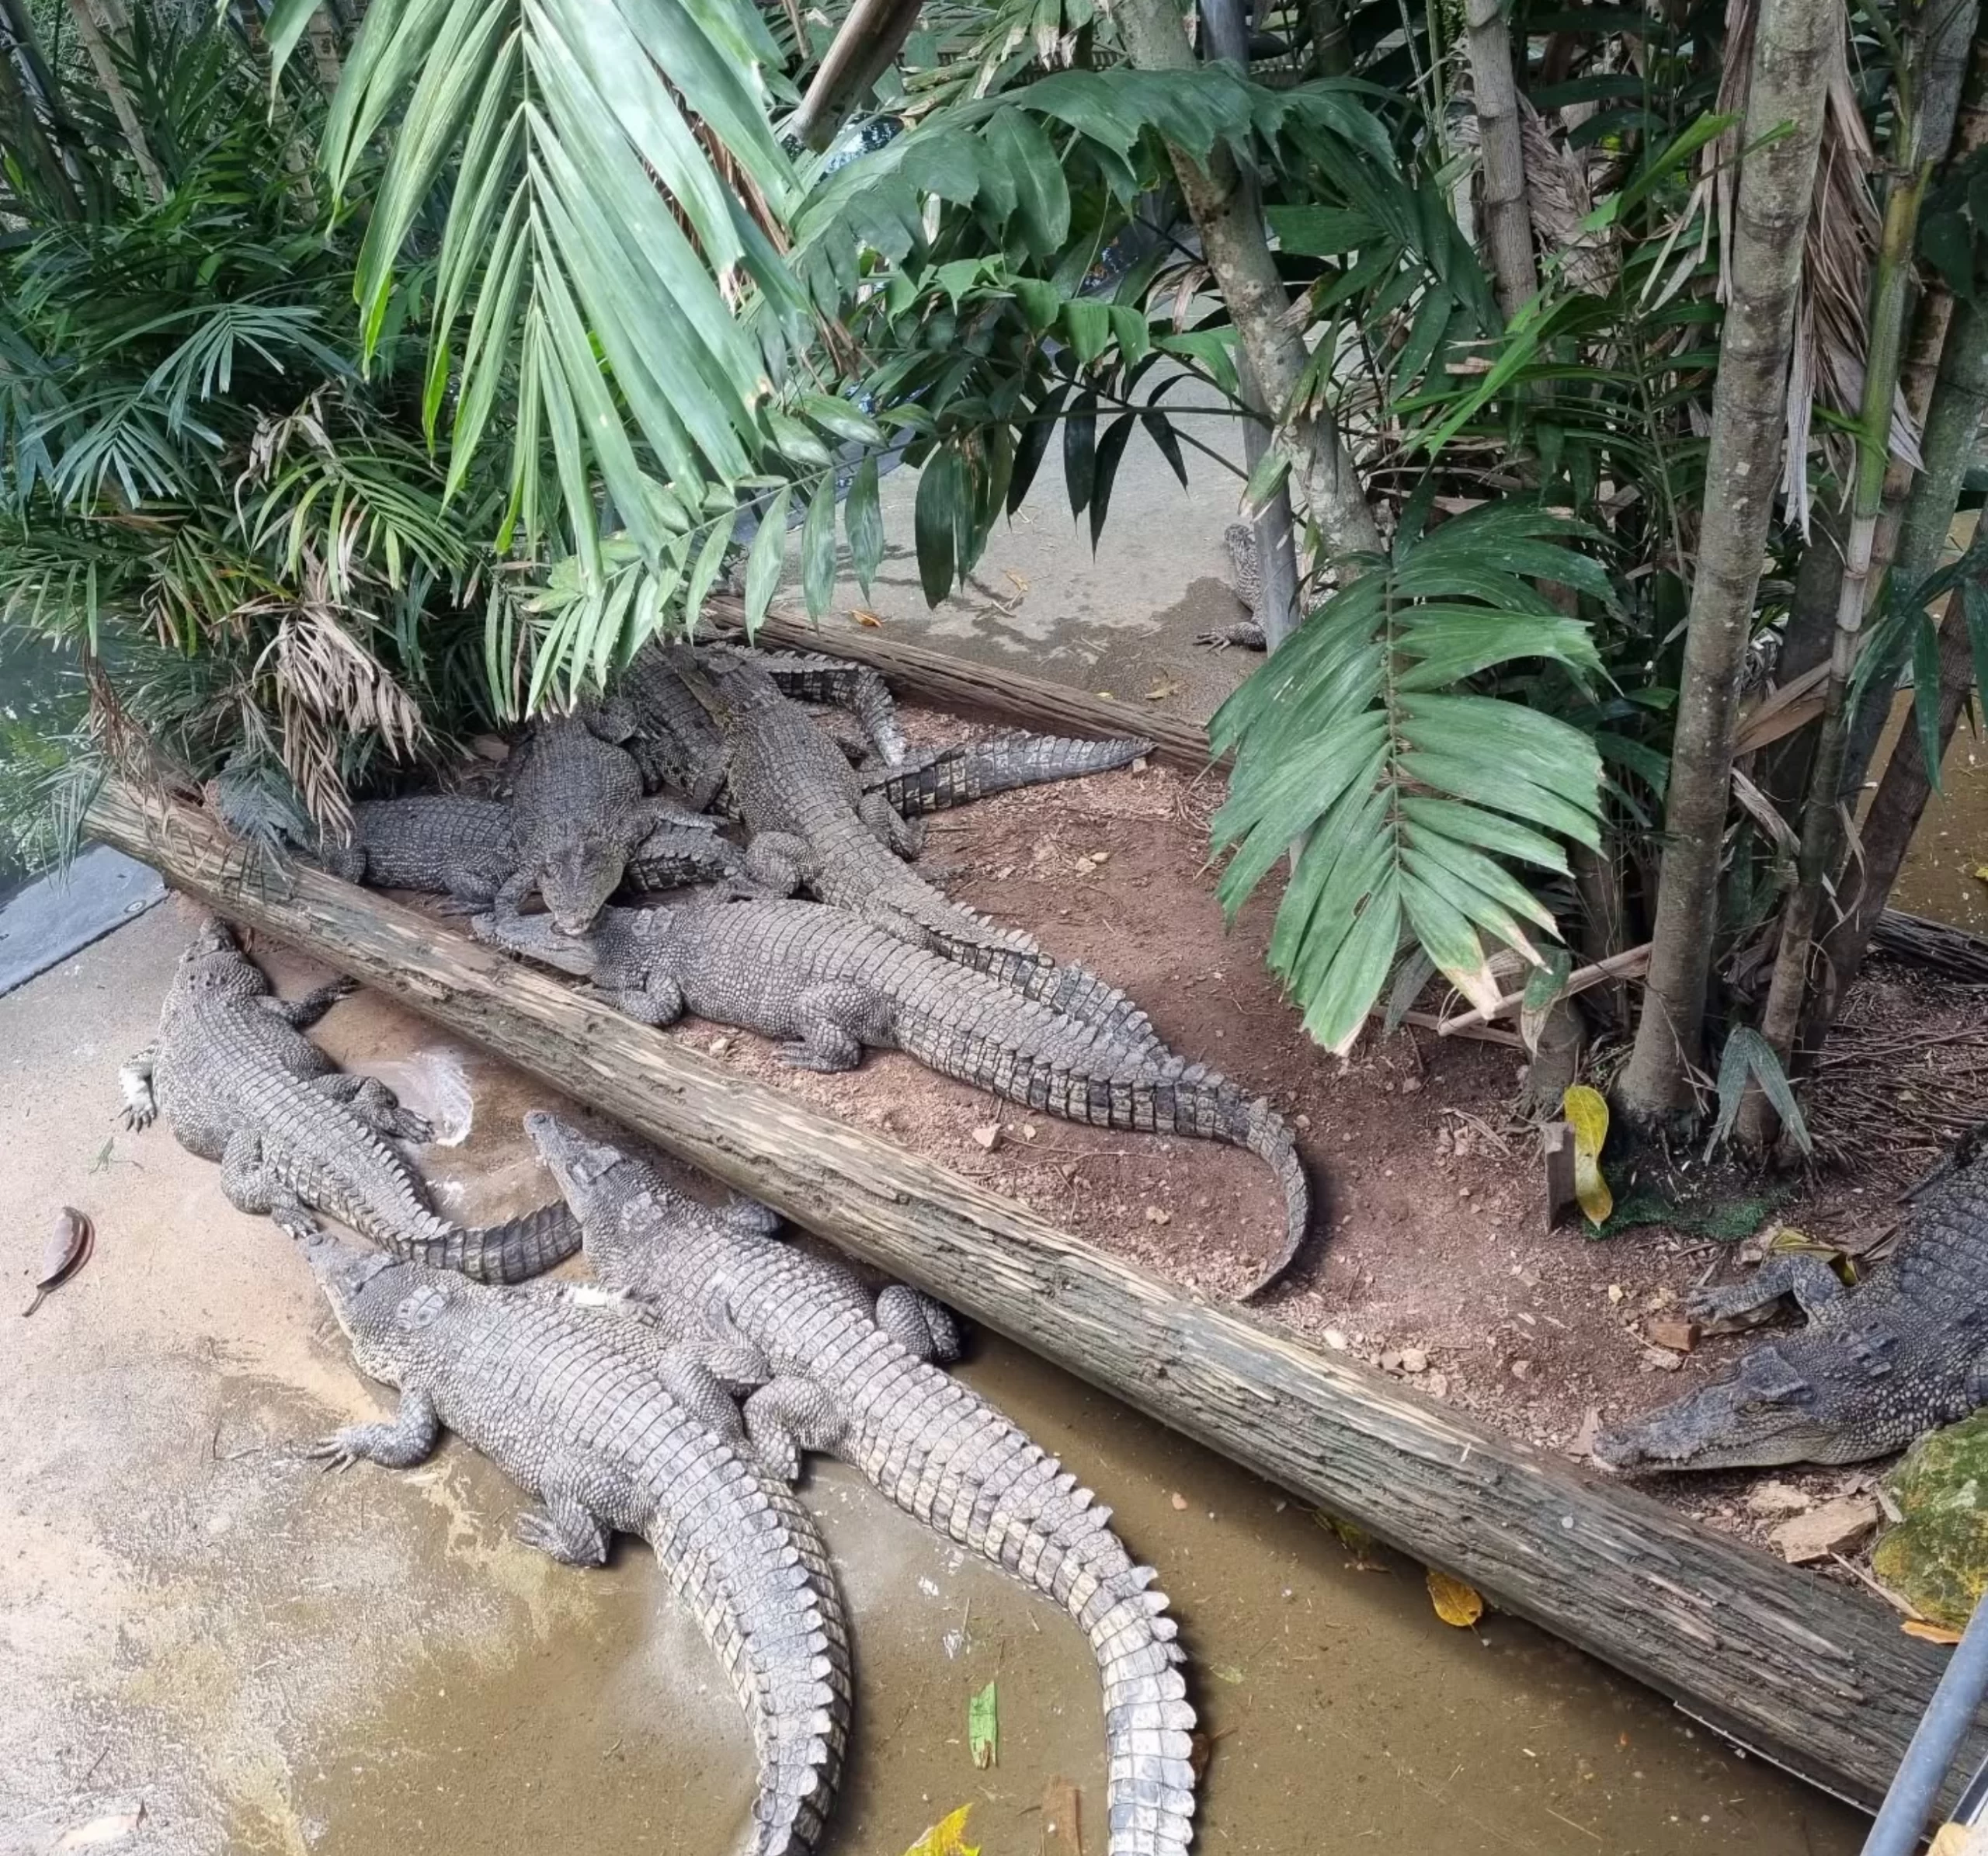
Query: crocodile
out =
(578, 815)
(859, 1376)
(1246, 578)
(615, 1433)
(1874, 1368)
(954, 776)
(241, 1083)
(828, 985)
(463, 847)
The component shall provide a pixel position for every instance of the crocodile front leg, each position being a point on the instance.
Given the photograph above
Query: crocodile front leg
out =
(658, 1000)
(253, 1185)
(925, 1329)
(375, 1105)
(409, 1438)
(301, 1013)
(1814, 1284)
(832, 1022)
(134, 1081)
(787, 1416)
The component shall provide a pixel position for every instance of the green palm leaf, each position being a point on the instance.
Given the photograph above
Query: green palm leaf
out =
(1365, 736)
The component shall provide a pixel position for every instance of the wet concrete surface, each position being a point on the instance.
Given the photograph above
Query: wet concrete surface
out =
(194, 1619)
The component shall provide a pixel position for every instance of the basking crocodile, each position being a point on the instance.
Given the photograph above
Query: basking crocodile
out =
(1874, 1369)
(1247, 579)
(977, 769)
(578, 815)
(859, 1380)
(614, 1433)
(464, 847)
(241, 1084)
(829, 985)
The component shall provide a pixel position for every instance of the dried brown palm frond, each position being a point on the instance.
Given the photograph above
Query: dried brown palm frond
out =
(1558, 198)
(1831, 335)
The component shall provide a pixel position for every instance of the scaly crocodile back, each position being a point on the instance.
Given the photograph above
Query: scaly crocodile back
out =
(553, 1397)
(957, 776)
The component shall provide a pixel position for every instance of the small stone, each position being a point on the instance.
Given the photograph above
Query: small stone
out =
(1411, 1085)
(1773, 1498)
(1436, 1386)
(1581, 1447)
(720, 1046)
(1413, 1359)
(1180, 1502)
(1201, 1203)
(1616, 1292)
(487, 747)
(1390, 1360)
(1834, 1528)
(1140, 765)
(1335, 1340)
(1662, 1360)
(1302, 1123)
(1155, 1216)
(1002, 875)
(1463, 1192)
(989, 1135)
(1101, 856)
(1521, 1369)
(1028, 1131)
(1672, 1331)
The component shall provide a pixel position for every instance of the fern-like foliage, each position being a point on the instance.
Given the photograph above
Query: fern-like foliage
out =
(1374, 736)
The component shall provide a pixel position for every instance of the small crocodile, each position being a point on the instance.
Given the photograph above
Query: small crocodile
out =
(463, 848)
(1246, 579)
(241, 1083)
(859, 1378)
(828, 985)
(1875, 1368)
(954, 776)
(578, 815)
(615, 1433)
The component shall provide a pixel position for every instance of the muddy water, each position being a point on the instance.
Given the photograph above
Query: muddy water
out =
(1939, 878)
(272, 1660)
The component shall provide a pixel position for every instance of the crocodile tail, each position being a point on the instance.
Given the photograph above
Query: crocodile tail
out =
(939, 1450)
(976, 770)
(808, 1724)
(1077, 992)
(1251, 1122)
(514, 1251)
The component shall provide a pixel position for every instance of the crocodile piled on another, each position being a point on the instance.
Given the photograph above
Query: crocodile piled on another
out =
(830, 985)
(241, 1084)
(616, 1434)
(464, 848)
(1875, 1368)
(858, 1380)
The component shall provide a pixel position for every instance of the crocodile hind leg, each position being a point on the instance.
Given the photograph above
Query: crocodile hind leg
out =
(299, 1014)
(565, 1528)
(1814, 1285)
(779, 862)
(252, 1185)
(408, 1437)
(699, 1387)
(134, 1080)
(787, 1416)
(925, 1329)
(376, 1105)
(834, 1021)
(903, 835)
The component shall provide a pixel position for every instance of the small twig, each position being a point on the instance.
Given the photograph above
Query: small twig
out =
(1632, 963)
(1891, 1598)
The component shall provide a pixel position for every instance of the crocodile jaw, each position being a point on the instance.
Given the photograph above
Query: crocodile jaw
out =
(1767, 1412)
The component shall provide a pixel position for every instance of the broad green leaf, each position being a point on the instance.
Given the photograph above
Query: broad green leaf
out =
(941, 488)
(1033, 444)
(817, 549)
(983, 1731)
(863, 517)
(1088, 327)
(704, 570)
(1747, 1054)
(1160, 430)
(1110, 448)
(764, 562)
(1080, 451)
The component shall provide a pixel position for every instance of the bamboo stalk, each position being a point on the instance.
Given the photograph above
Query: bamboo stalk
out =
(1632, 963)
(1507, 216)
(98, 46)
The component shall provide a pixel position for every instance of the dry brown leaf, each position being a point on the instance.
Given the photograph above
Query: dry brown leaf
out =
(863, 616)
(1166, 686)
(1929, 1633)
(1062, 1820)
(62, 1253)
(1455, 1602)
(106, 1829)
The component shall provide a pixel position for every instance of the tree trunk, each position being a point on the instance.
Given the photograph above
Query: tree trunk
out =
(22, 127)
(1791, 59)
(324, 59)
(1332, 44)
(1507, 216)
(1815, 1673)
(1233, 243)
(1891, 279)
(1959, 404)
(98, 46)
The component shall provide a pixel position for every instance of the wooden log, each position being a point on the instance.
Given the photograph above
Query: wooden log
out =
(1939, 945)
(1815, 1675)
(952, 682)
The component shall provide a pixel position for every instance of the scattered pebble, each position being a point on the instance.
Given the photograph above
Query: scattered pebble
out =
(1155, 1216)
(1411, 1085)
(988, 1136)
(1302, 1123)
(1335, 1340)
(1180, 1502)
(720, 1046)
(1773, 1498)
(1657, 1359)
(1028, 1131)
(1436, 1386)
(1616, 1292)
(1834, 1528)
(1413, 1359)
(1521, 1369)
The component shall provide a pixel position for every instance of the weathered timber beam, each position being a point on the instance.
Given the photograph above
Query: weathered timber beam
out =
(1940, 945)
(953, 682)
(1816, 1675)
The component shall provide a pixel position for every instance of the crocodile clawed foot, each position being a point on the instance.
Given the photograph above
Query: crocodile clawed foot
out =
(138, 1120)
(408, 1126)
(333, 1452)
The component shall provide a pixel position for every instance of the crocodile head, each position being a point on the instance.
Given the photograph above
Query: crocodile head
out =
(213, 966)
(383, 1305)
(578, 877)
(1767, 1410)
(616, 1197)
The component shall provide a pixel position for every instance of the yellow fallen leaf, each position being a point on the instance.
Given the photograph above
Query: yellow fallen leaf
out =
(1455, 1602)
(1929, 1633)
(1160, 691)
(863, 616)
(1981, 873)
(1952, 1840)
(1587, 1111)
(947, 1837)
(1021, 580)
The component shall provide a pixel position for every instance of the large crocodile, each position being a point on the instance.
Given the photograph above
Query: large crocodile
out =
(464, 848)
(578, 815)
(241, 1084)
(615, 1433)
(858, 1379)
(828, 985)
(1874, 1369)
